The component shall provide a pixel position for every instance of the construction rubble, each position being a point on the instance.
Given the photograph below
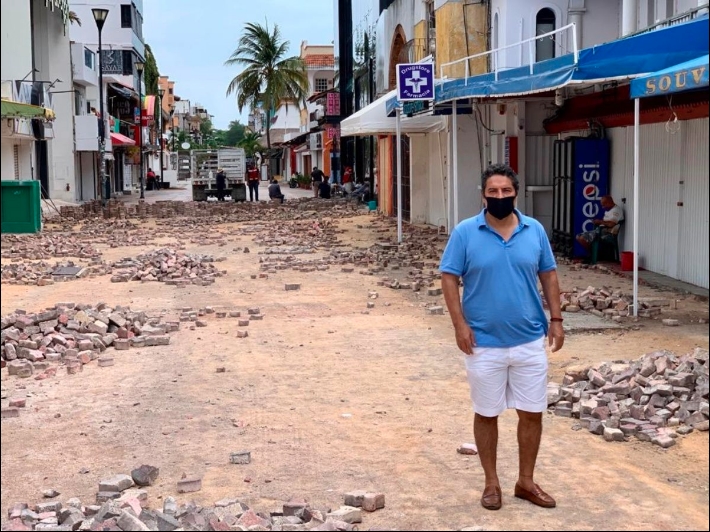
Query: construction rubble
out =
(120, 505)
(168, 266)
(655, 398)
(70, 335)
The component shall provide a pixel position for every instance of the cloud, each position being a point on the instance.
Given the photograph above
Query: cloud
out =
(192, 39)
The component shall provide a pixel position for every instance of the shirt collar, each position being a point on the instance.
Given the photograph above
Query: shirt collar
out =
(481, 219)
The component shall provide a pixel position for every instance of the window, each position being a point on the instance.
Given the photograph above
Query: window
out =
(128, 66)
(89, 58)
(430, 44)
(170, 90)
(321, 84)
(544, 23)
(126, 15)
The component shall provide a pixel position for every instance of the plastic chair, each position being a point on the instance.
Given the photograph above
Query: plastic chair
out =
(609, 240)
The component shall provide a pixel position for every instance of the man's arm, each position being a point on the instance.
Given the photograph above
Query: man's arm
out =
(464, 335)
(551, 289)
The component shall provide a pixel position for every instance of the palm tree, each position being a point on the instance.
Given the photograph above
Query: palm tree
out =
(269, 77)
(74, 18)
(250, 143)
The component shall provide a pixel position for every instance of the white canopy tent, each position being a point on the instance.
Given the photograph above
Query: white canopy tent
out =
(373, 120)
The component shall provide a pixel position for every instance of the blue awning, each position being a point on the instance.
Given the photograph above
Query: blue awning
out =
(686, 76)
(624, 58)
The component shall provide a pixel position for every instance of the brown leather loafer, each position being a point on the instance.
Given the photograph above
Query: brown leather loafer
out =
(537, 496)
(492, 498)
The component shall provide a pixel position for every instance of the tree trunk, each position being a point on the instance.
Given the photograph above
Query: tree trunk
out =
(268, 130)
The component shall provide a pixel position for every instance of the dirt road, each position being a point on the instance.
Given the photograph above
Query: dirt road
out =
(329, 399)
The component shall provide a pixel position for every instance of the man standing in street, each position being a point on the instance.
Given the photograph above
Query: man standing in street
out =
(501, 325)
(316, 178)
(221, 183)
(253, 182)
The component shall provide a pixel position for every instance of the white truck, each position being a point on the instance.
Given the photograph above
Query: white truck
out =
(204, 165)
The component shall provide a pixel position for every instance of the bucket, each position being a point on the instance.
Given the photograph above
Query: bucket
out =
(627, 261)
(372, 205)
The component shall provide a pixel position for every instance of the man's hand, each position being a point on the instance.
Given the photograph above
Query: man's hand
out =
(555, 336)
(465, 339)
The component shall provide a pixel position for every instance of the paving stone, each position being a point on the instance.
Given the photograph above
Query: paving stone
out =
(189, 485)
(145, 475)
(240, 457)
(373, 501)
(117, 483)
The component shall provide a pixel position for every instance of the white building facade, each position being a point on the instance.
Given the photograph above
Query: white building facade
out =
(36, 69)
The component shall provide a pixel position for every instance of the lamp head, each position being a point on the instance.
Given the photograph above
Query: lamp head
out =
(100, 16)
(139, 67)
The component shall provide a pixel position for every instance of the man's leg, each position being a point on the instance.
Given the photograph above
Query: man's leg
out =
(485, 432)
(529, 435)
(256, 190)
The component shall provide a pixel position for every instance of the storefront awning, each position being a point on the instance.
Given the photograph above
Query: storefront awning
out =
(122, 91)
(25, 110)
(373, 120)
(686, 76)
(121, 140)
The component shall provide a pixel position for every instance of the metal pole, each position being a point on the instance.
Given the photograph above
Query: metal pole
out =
(102, 130)
(399, 177)
(140, 131)
(160, 138)
(455, 160)
(637, 114)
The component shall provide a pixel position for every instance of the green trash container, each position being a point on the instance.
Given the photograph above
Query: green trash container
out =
(21, 208)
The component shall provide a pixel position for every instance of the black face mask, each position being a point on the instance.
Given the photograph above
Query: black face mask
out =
(500, 207)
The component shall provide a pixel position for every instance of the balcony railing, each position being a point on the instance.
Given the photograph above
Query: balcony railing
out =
(572, 28)
(677, 19)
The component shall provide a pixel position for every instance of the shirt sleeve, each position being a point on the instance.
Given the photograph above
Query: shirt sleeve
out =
(454, 258)
(547, 258)
(614, 215)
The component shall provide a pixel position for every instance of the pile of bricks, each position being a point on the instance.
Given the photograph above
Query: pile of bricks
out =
(612, 304)
(120, 505)
(46, 245)
(168, 266)
(45, 274)
(654, 398)
(293, 209)
(70, 335)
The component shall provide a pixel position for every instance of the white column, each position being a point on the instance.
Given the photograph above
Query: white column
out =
(637, 113)
(399, 176)
(629, 16)
(575, 17)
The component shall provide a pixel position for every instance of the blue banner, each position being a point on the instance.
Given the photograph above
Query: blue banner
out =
(591, 182)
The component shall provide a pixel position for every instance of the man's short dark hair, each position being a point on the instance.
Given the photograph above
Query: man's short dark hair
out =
(500, 169)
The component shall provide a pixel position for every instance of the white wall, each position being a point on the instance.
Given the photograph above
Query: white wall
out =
(53, 60)
(470, 167)
(673, 240)
(287, 117)
(402, 12)
(26, 158)
(112, 35)
(87, 175)
(601, 21)
(16, 50)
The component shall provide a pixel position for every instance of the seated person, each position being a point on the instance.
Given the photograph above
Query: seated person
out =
(362, 191)
(275, 190)
(324, 189)
(605, 226)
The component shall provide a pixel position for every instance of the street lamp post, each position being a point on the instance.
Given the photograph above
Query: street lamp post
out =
(139, 69)
(100, 17)
(161, 92)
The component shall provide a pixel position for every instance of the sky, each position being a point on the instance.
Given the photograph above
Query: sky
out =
(191, 40)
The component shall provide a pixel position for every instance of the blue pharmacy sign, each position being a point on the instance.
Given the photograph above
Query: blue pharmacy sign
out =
(591, 182)
(415, 81)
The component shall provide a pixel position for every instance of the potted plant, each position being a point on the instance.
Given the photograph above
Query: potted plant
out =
(303, 181)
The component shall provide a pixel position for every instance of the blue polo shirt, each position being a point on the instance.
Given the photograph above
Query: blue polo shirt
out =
(501, 301)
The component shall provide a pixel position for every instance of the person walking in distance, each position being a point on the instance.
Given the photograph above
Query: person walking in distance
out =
(253, 182)
(501, 325)
(316, 178)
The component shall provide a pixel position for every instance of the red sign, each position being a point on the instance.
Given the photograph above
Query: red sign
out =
(333, 132)
(333, 104)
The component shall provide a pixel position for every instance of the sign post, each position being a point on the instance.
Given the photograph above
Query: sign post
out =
(415, 82)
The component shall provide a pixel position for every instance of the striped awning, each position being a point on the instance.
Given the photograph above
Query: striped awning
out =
(25, 110)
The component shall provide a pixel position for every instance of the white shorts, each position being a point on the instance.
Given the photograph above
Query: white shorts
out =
(502, 378)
